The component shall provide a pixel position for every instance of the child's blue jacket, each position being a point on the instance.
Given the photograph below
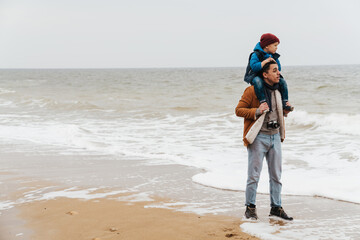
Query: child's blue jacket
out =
(255, 63)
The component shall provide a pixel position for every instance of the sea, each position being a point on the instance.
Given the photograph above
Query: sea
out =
(186, 116)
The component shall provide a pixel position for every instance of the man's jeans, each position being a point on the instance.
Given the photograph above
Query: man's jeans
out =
(268, 146)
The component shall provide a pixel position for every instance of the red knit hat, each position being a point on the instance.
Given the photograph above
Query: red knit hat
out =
(267, 39)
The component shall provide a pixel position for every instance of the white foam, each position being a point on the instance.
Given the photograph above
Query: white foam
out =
(269, 231)
(48, 193)
(333, 122)
(4, 91)
(317, 147)
(137, 197)
(190, 207)
(86, 194)
(261, 230)
(314, 152)
(295, 230)
(224, 180)
(6, 104)
(313, 182)
(6, 205)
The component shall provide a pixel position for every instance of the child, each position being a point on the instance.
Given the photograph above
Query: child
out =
(265, 51)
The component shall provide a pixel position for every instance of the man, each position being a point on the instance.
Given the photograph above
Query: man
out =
(264, 131)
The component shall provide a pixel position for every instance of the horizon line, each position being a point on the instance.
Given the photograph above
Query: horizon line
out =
(194, 67)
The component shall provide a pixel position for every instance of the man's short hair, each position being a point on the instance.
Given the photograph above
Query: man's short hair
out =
(266, 67)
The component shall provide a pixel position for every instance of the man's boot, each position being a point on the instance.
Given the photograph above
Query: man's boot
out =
(279, 212)
(250, 212)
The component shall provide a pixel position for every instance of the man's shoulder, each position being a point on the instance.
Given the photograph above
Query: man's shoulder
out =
(249, 93)
(250, 96)
(249, 90)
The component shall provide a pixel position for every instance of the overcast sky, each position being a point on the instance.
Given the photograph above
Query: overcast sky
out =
(174, 33)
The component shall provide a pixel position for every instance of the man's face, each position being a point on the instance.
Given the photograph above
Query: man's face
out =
(272, 76)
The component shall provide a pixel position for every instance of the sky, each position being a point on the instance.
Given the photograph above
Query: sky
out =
(174, 33)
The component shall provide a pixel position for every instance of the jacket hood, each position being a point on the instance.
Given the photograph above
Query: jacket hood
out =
(259, 48)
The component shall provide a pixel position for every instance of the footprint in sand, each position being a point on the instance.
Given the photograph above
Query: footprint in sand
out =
(72, 213)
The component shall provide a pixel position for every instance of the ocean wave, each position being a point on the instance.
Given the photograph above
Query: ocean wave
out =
(333, 122)
(4, 91)
(50, 134)
(295, 182)
(184, 109)
(65, 105)
(6, 103)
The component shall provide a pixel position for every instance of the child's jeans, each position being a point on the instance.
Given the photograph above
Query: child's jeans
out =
(258, 84)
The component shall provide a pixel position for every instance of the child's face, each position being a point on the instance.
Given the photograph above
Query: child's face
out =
(271, 48)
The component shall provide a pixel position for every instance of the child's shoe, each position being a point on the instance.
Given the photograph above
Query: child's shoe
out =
(286, 107)
(289, 108)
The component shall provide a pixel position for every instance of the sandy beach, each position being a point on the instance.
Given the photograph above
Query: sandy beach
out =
(83, 197)
(99, 218)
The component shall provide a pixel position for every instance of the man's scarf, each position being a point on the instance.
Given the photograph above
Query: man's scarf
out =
(268, 89)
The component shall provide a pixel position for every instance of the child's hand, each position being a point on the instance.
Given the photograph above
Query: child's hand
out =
(263, 107)
(266, 61)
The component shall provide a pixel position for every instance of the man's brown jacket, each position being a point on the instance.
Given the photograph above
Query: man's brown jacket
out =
(247, 107)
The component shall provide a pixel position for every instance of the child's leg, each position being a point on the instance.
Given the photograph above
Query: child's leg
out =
(283, 90)
(284, 94)
(258, 84)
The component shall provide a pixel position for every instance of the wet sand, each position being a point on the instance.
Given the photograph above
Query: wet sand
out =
(112, 217)
(29, 212)
(64, 219)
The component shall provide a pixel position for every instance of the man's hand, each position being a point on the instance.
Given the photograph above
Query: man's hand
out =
(263, 107)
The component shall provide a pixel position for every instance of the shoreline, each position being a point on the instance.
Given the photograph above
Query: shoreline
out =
(117, 215)
(32, 177)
